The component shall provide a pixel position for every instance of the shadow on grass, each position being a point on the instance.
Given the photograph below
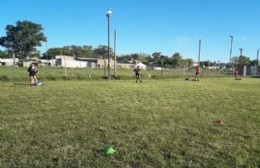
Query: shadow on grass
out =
(21, 84)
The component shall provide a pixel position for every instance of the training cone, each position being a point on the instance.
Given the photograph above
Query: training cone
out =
(109, 151)
(220, 122)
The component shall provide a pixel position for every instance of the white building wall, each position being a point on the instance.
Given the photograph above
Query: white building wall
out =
(8, 61)
(73, 63)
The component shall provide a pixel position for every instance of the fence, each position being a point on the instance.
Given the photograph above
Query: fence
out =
(47, 73)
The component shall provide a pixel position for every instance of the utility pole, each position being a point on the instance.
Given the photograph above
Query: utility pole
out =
(109, 12)
(241, 51)
(65, 68)
(257, 57)
(199, 51)
(230, 59)
(115, 61)
(13, 65)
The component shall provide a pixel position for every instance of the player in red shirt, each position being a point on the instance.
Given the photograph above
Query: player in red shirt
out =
(197, 72)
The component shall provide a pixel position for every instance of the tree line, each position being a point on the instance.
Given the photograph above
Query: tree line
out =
(23, 39)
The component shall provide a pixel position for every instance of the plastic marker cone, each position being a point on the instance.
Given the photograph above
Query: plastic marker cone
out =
(109, 151)
(220, 122)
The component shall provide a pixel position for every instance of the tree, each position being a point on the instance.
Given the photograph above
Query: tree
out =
(206, 63)
(88, 51)
(4, 54)
(241, 60)
(23, 38)
(253, 63)
(102, 51)
(144, 58)
(176, 59)
(189, 62)
(52, 52)
(156, 57)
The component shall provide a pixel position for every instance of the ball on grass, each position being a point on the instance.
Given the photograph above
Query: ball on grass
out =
(39, 84)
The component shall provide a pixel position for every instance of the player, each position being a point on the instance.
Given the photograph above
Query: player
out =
(137, 72)
(32, 74)
(197, 73)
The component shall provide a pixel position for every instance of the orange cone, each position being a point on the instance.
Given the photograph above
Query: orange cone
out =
(220, 122)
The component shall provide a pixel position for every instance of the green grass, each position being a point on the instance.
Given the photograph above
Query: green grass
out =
(159, 123)
(57, 74)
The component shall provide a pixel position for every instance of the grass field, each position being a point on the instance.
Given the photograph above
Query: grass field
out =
(159, 123)
(54, 74)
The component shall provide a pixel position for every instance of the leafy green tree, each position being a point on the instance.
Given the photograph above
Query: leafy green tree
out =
(23, 38)
(52, 52)
(88, 51)
(76, 51)
(189, 62)
(145, 58)
(4, 54)
(176, 59)
(156, 57)
(243, 60)
(253, 63)
(102, 51)
(206, 63)
(124, 58)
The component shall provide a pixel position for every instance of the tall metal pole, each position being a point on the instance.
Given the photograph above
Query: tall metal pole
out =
(13, 65)
(241, 51)
(257, 56)
(65, 68)
(105, 67)
(115, 63)
(199, 51)
(108, 31)
(244, 67)
(230, 59)
(47, 51)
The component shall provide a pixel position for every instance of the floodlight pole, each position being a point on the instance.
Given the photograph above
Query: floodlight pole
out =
(109, 12)
(199, 52)
(115, 64)
(13, 65)
(47, 50)
(241, 51)
(257, 57)
(65, 68)
(230, 59)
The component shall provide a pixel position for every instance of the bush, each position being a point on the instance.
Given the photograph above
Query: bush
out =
(4, 78)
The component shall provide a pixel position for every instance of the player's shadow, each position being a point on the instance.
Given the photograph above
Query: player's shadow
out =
(21, 84)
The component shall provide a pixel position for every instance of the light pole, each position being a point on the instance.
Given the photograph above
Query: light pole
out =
(47, 52)
(257, 55)
(241, 51)
(242, 62)
(230, 59)
(115, 64)
(109, 12)
(199, 52)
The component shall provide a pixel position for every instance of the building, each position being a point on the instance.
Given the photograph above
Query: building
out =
(79, 62)
(69, 62)
(8, 61)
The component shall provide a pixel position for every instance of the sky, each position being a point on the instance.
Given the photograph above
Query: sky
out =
(145, 26)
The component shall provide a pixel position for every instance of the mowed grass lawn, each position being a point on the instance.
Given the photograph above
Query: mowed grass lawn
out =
(158, 123)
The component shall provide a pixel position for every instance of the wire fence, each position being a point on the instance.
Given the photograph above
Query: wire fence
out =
(54, 73)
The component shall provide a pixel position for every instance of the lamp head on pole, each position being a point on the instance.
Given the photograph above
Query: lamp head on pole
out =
(109, 12)
(231, 36)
